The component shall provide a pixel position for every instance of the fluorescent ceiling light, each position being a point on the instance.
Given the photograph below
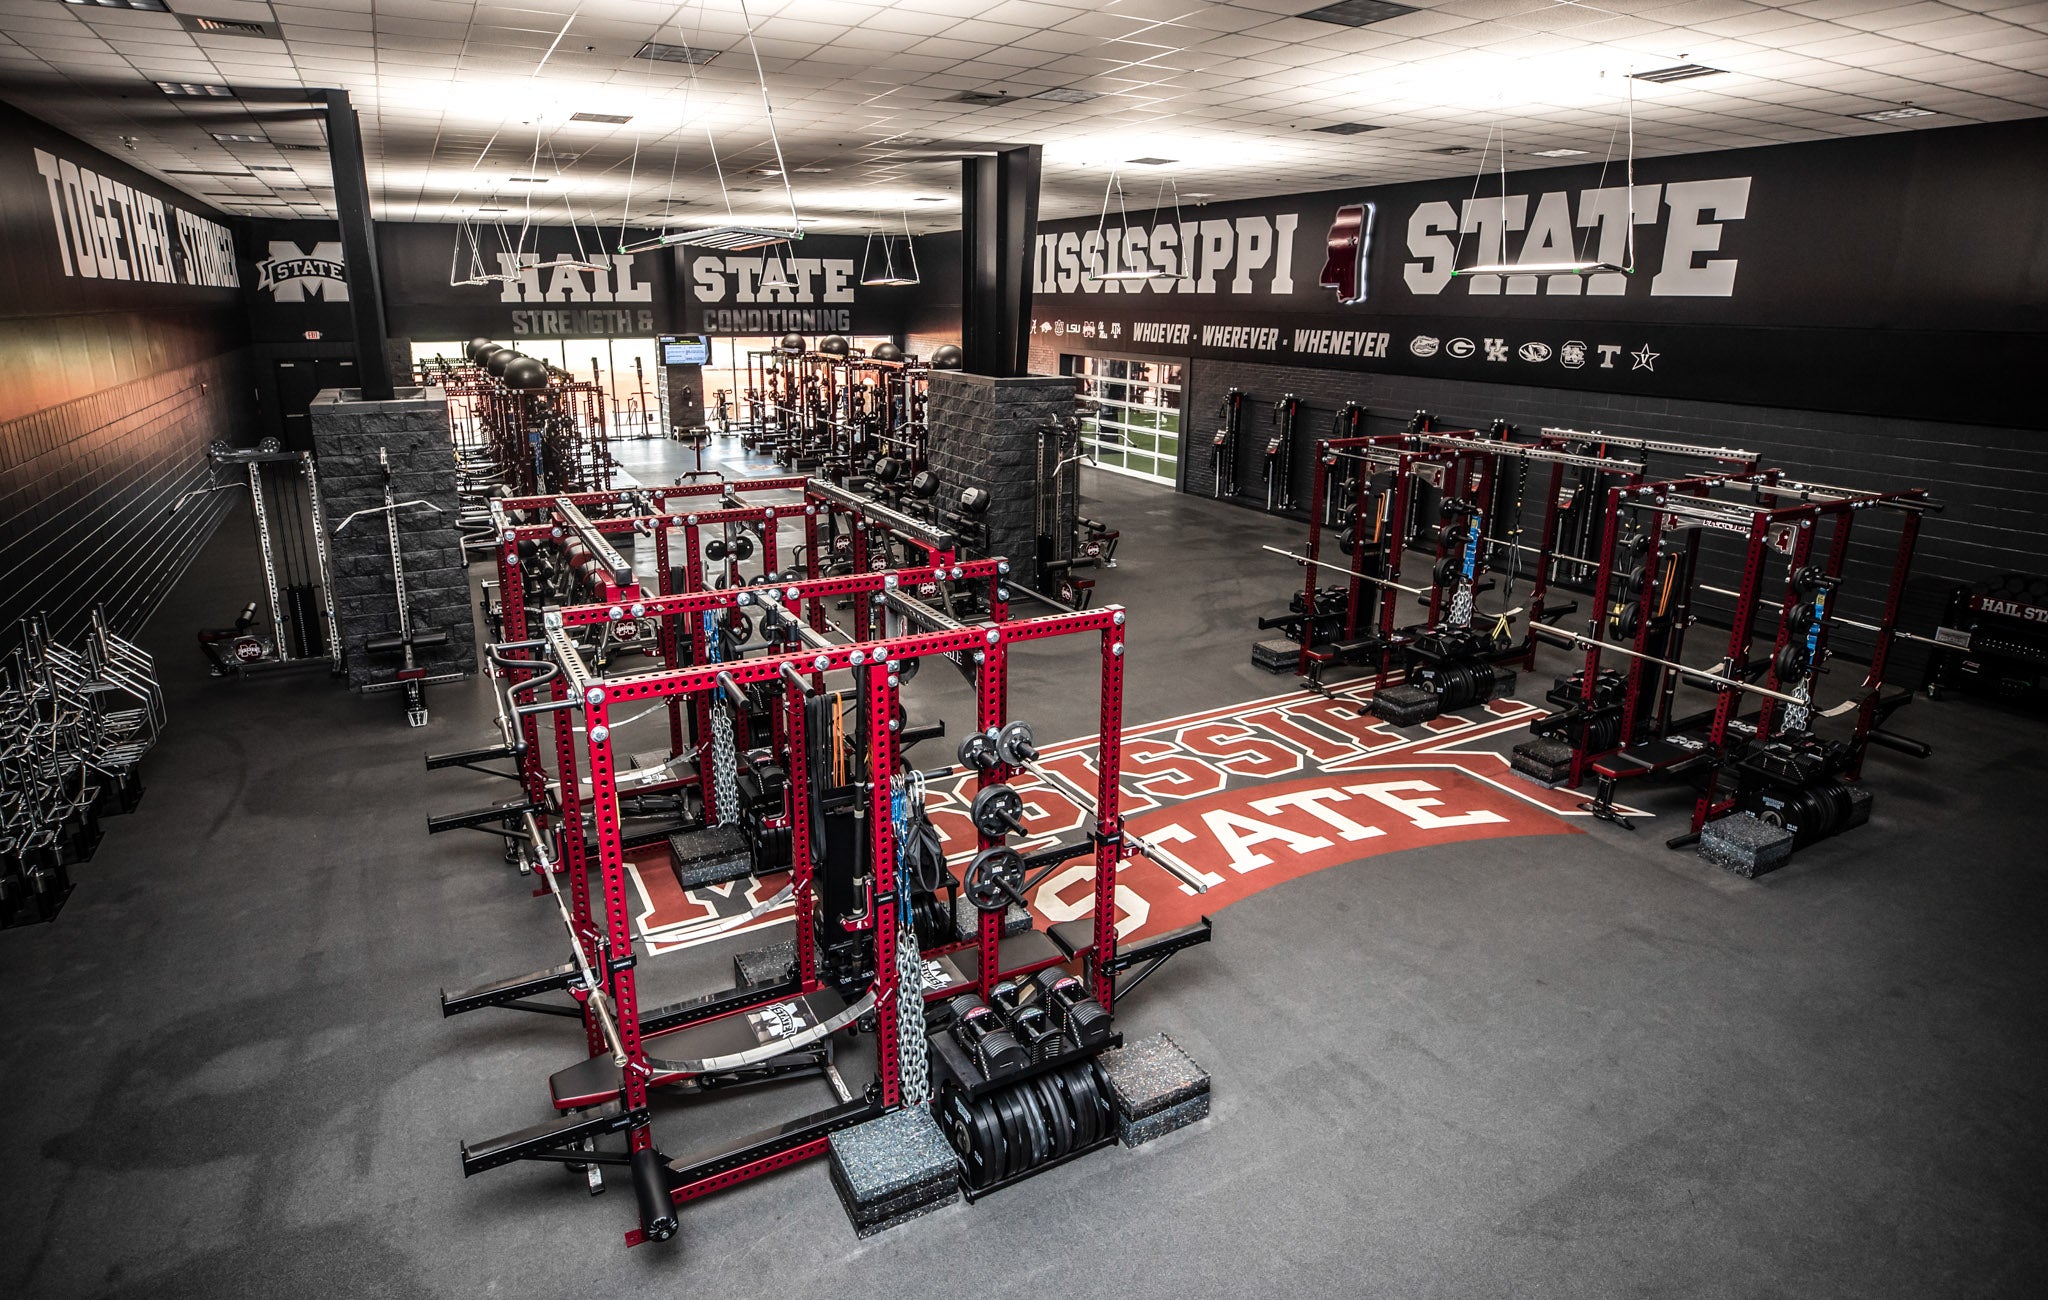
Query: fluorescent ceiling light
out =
(606, 119)
(1346, 128)
(1895, 114)
(1677, 72)
(146, 6)
(1538, 268)
(192, 90)
(230, 27)
(230, 137)
(1151, 162)
(1557, 153)
(731, 239)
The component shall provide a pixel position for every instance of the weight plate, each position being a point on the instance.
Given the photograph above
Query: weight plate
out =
(1807, 579)
(1035, 1126)
(1016, 1141)
(1791, 663)
(996, 874)
(1074, 1081)
(1632, 582)
(988, 1133)
(1059, 1128)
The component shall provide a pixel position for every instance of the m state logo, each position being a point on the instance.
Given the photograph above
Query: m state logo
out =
(292, 275)
(1251, 795)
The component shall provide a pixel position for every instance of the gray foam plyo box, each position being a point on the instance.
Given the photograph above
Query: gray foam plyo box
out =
(710, 857)
(1136, 1132)
(1542, 760)
(1745, 844)
(768, 965)
(967, 918)
(1155, 1087)
(892, 1169)
(1406, 706)
(1277, 655)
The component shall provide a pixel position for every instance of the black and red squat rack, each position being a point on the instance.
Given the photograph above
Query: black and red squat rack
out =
(1624, 728)
(608, 1092)
(1377, 481)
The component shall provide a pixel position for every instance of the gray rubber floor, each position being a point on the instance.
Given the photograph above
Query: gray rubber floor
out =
(1566, 1066)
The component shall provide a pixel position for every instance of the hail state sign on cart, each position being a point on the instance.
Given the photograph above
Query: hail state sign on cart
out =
(1873, 274)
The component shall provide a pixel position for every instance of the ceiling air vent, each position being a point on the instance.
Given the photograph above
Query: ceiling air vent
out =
(1067, 95)
(603, 119)
(980, 97)
(1346, 128)
(674, 53)
(229, 27)
(1677, 72)
(1894, 114)
(1357, 13)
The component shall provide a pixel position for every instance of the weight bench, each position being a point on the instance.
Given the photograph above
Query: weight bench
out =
(410, 677)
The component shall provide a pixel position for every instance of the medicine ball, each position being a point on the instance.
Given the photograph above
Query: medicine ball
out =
(833, 345)
(948, 357)
(886, 352)
(478, 349)
(791, 343)
(497, 361)
(525, 373)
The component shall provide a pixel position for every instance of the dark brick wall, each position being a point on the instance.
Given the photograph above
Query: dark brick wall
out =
(413, 431)
(985, 433)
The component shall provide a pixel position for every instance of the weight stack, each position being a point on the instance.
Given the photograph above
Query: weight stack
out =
(1746, 844)
(1406, 706)
(893, 1169)
(1156, 1088)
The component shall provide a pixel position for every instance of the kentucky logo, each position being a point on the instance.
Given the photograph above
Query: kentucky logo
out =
(292, 276)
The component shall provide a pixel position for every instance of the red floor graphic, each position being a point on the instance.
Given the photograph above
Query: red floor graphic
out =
(1252, 795)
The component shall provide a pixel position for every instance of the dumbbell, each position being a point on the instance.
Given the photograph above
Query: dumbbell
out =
(1034, 1030)
(994, 1050)
(1071, 1008)
(716, 549)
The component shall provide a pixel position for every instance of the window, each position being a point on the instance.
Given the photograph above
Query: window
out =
(1135, 427)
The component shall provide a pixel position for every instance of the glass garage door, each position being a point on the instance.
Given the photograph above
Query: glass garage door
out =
(1135, 428)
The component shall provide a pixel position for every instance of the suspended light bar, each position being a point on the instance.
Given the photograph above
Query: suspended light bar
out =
(1541, 268)
(731, 239)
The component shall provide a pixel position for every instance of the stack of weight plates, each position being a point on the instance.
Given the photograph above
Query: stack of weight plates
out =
(892, 1170)
(1014, 1130)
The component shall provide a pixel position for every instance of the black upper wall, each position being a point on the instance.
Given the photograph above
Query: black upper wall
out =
(119, 362)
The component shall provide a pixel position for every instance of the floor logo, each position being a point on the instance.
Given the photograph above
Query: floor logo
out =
(1251, 795)
(293, 276)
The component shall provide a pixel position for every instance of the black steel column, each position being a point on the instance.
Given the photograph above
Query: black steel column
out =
(358, 246)
(998, 225)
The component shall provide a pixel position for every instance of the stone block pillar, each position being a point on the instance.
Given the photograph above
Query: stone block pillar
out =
(412, 430)
(984, 432)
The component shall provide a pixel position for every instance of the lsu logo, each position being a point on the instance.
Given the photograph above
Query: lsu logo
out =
(291, 275)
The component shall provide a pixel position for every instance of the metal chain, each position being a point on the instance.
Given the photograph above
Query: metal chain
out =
(913, 1075)
(1461, 601)
(725, 788)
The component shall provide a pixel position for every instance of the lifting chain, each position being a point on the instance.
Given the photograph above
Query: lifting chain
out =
(913, 1075)
(725, 789)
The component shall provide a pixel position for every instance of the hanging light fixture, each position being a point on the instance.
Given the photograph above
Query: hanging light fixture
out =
(775, 274)
(890, 273)
(1098, 270)
(1583, 265)
(733, 238)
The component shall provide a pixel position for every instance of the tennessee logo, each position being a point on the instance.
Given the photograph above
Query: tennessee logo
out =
(1252, 795)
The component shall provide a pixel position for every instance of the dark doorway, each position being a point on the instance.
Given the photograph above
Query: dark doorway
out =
(298, 383)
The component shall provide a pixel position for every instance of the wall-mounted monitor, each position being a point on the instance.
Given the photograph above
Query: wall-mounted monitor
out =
(685, 349)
